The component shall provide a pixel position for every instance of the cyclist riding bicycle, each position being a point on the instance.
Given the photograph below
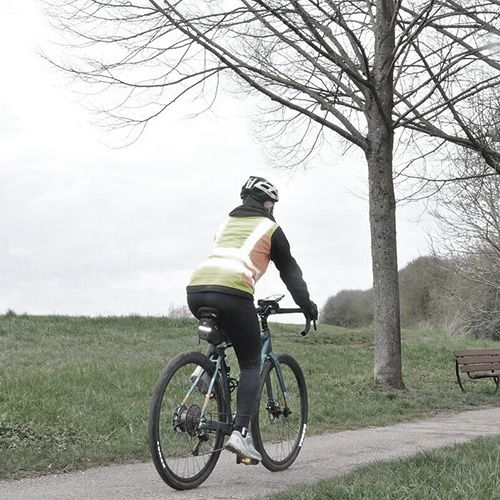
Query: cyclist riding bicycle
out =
(244, 245)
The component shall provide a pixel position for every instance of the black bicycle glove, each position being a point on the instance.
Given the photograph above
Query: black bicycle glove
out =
(313, 311)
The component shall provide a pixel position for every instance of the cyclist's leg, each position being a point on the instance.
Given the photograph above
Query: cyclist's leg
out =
(239, 320)
(243, 330)
(242, 327)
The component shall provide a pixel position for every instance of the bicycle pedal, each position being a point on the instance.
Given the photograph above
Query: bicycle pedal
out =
(246, 460)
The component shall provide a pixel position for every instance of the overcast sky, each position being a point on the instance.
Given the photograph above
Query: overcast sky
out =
(89, 229)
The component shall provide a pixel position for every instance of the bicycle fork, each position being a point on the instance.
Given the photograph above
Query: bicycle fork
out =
(273, 406)
(268, 353)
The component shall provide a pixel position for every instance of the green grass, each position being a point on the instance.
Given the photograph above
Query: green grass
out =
(458, 472)
(74, 391)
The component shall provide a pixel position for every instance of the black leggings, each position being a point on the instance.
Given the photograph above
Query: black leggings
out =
(239, 320)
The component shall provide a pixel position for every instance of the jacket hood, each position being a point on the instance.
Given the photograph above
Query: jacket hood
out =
(251, 207)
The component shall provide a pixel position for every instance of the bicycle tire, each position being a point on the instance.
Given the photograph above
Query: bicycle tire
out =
(173, 427)
(279, 436)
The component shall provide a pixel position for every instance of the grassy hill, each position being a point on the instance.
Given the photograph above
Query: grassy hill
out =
(74, 391)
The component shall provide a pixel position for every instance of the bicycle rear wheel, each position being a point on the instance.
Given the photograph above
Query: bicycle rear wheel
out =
(279, 425)
(185, 453)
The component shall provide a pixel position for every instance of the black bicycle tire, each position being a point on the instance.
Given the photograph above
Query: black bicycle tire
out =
(155, 446)
(267, 461)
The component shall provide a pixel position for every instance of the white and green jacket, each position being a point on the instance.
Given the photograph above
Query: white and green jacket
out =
(244, 245)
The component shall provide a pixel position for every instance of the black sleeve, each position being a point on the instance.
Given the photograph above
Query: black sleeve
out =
(288, 268)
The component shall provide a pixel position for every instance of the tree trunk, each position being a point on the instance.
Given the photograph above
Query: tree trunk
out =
(387, 363)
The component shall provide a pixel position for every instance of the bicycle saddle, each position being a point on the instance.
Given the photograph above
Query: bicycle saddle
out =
(210, 312)
(208, 326)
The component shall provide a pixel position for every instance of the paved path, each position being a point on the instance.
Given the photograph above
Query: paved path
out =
(322, 457)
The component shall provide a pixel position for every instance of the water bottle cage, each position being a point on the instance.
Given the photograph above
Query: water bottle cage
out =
(209, 331)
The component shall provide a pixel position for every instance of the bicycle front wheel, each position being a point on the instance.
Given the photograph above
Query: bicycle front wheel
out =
(184, 445)
(279, 424)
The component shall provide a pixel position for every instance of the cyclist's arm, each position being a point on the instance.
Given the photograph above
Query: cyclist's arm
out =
(289, 270)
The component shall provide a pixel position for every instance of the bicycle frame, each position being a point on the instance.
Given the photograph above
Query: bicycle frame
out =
(218, 359)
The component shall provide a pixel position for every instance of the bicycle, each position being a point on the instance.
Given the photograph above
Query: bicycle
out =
(190, 412)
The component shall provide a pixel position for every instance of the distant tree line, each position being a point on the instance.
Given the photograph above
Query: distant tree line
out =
(418, 287)
(434, 291)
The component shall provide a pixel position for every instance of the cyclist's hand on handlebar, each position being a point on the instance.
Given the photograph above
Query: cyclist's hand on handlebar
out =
(312, 311)
(311, 314)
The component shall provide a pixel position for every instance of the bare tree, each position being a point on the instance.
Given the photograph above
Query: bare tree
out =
(469, 247)
(374, 72)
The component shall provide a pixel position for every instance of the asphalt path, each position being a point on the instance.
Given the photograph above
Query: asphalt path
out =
(322, 457)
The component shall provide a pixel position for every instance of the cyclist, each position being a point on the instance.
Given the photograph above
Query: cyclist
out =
(244, 244)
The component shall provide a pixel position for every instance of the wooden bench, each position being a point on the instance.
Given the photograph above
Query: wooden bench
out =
(478, 363)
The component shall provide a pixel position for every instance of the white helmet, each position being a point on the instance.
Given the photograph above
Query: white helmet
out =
(260, 189)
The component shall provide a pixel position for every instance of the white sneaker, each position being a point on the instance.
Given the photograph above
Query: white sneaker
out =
(242, 446)
(204, 381)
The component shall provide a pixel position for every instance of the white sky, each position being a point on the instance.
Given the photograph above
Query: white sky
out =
(86, 229)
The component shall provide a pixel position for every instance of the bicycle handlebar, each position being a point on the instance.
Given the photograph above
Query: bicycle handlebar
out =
(266, 309)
